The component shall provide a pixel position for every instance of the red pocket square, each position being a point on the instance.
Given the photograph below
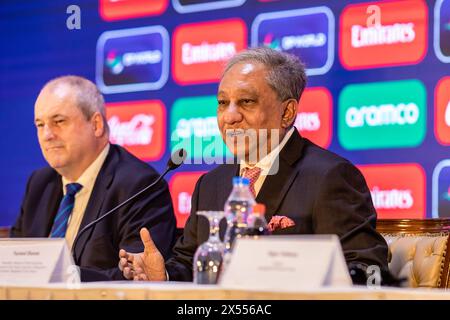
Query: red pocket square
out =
(280, 222)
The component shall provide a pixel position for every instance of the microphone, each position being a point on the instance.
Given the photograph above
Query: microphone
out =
(176, 159)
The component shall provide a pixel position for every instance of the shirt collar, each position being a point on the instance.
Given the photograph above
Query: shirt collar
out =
(89, 175)
(266, 163)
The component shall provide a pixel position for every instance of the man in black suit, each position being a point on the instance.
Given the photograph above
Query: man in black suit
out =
(320, 192)
(86, 178)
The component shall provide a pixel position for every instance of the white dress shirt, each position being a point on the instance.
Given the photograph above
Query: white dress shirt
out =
(265, 163)
(87, 180)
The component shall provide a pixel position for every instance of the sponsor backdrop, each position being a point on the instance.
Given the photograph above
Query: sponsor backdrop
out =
(378, 91)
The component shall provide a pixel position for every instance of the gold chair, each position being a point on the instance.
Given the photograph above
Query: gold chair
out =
(419, 250)
(4, 232)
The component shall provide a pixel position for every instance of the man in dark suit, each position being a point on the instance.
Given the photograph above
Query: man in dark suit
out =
(86, 178)
(320, 192)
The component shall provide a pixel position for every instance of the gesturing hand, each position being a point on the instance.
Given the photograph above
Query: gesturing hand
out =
(144, 266)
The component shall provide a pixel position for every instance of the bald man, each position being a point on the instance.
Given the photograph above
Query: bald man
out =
(87, 176)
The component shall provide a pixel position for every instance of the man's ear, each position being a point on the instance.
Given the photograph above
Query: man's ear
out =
(98, 123)
(290, 112)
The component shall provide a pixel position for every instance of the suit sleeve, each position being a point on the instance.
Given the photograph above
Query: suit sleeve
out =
(153, 211)
(17, 229)
(179, 267)
(344, 207)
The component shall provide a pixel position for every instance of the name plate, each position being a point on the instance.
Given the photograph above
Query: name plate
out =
(36, 261)
(286, 263)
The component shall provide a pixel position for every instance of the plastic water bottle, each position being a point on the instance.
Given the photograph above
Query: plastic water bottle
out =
(237, 209)
(256, 222)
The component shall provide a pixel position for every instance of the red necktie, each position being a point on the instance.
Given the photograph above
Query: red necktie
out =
(252, 174)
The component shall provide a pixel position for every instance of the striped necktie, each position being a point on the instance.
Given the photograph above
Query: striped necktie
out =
(252, 174)
(65, 209)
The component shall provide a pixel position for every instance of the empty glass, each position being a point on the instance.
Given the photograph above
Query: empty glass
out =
(209, 255)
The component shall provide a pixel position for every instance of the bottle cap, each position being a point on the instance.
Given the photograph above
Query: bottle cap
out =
(240, 180)
(259, 209)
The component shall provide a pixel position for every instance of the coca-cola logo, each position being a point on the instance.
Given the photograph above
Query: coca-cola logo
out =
(138, 126)
(137, 131)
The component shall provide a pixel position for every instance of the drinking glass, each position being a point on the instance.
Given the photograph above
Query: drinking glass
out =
(209, 255)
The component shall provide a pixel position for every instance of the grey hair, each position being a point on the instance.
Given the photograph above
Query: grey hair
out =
(87, 96)
(285, 72)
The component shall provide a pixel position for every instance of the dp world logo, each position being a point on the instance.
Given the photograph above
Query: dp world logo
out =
(307, 33)
(114, 62)
(132, 59)
(118, 62)
(271, 42)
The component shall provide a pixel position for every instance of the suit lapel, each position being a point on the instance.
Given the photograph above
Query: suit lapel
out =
(95, 204)
(226, 184)
(277, 184)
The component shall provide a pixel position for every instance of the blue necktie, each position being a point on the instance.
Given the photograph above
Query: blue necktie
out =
(65, 209)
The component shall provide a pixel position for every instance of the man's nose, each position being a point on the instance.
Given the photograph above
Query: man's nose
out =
(47, 133)
(232, 114)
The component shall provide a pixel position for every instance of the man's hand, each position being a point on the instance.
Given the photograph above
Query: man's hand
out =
(128, 262)
(144, 266)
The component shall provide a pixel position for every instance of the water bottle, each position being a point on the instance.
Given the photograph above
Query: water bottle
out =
(256, 222)
(237, 209)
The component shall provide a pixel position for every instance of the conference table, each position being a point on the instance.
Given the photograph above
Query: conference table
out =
(188, 291)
